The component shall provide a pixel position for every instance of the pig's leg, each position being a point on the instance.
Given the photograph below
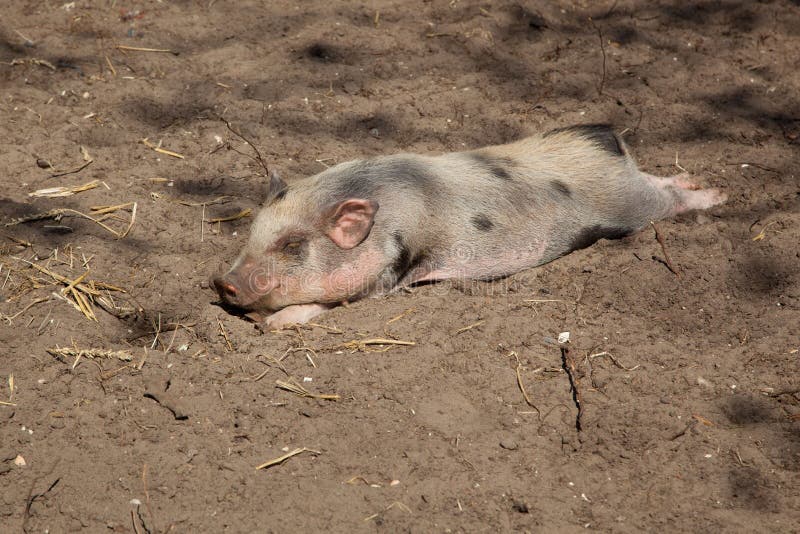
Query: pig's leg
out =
(296, 314)
(686, 193)
(681, 181)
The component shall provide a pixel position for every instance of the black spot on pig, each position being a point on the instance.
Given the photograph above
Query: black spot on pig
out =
(561, 187)
(588, 236)
(601, 135)
(498, 167)
(482, 222)
(363, 179)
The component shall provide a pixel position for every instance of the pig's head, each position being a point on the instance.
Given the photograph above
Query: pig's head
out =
(305, 246)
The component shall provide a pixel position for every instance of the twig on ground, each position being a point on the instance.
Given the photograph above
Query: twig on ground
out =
(363, 344)
(111, 66)
(32, 497)
(58, 213)
(409, 311)
(791, 391)
(677, 164)
(157, 332)
(10, 318)
(247, 212)
(143, 49)
(33, 61)
(147, 496)
(146, 142)
(213, 201)
(73, 171)
(305, 349)
(469, 327)
(297, 389)
(225, 335)
(683, 432)
(397, 504)
(284, 457)
(62, 352)
(522, 387)
(603, 51)
(330, 329)
(762, 234)
(568, 363)
(53, 192)
(259, 158)
(660, 240)
(613, 359)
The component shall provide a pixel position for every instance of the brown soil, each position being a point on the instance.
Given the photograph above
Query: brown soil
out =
(696, 429)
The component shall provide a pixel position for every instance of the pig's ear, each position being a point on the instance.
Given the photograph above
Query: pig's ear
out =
(276, 187)
(351, 222)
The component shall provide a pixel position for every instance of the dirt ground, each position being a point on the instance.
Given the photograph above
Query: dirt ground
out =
(693, 425)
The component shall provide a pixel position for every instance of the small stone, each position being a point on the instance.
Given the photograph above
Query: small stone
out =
(509, 444)
(521, 507)
(43, 164)
(19, 461)
(703, 382)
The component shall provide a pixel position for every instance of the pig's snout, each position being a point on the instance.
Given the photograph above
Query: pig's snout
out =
(243, 289)
(233, 291)
(227, 291)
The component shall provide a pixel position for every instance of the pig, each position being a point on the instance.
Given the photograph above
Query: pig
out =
(371, 226)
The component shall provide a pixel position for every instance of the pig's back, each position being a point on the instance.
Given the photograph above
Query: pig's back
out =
(509, 207)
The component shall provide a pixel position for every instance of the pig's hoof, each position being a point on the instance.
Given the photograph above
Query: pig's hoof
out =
(713, 197)
(701, 199)
(295, 314)
(276, 324)
(282, 319)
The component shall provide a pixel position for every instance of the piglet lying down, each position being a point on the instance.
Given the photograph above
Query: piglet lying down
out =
(368, 227)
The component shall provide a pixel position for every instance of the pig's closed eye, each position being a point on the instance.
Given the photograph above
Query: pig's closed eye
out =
(293, 246)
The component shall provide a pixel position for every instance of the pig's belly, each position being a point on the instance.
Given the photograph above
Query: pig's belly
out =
(467, 261)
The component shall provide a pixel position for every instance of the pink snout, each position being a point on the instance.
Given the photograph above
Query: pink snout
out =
(242, 291)
(227, 291)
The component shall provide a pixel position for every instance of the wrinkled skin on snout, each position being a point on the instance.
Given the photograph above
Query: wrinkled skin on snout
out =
(299, 260)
